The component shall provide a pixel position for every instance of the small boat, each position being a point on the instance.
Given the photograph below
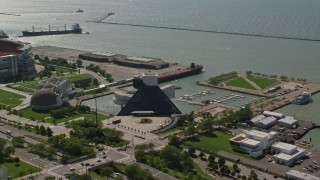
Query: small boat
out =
(79, 10)
(314, 161)
(3, 34)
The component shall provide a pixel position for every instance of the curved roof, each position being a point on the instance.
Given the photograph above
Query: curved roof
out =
(12, 47)
(44, 97)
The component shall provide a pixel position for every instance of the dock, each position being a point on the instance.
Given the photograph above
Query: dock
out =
(271, 102)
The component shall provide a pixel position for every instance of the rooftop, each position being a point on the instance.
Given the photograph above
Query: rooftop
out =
(301, 175)
(284, 146)
(238, 138)
(104, 53)
(270, 113)
(257, 118)
(288, 157)
(12, 47)
(251, 142)
(268, 120)
(257, 133)
(288, 120)
(143, 59)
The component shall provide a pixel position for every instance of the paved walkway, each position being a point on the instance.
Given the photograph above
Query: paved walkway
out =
(250, 82)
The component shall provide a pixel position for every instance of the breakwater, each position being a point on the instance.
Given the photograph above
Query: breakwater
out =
(208, 31)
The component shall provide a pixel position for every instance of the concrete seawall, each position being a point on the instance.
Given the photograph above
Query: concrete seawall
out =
(210, 31)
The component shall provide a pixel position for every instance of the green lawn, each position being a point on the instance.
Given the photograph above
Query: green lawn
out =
(121, 167)
(240, 82)
(214, 142)
(262, 82)
(96, 176)
(10, 99)
(79, 77)
(30, 114)
(33, 84)
(28, 84)
(19, 171)
(65, 70)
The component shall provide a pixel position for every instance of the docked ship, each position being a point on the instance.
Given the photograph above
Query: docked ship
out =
(3, 35)
(303, 98)
(180, 73)
(79, 10)
(75, 29)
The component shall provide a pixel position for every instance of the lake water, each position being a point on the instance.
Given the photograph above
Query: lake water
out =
(219, 53)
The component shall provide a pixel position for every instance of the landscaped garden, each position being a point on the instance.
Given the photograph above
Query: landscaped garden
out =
(262, 82)
(213, 143)
(29, 113)
(14, 166)
(240, 82)
(171, 159)
(20, 169)
(10, 99)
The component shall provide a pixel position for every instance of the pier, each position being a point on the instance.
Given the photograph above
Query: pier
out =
(208, 31)
(271, 101)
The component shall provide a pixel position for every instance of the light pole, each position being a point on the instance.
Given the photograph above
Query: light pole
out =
(95, 100)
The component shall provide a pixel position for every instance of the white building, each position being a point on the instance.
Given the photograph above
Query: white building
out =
(288, 122)
(256, 119)
(274, 114)
(297, 175)
(265, 122)
(252, 142)
(286, 154)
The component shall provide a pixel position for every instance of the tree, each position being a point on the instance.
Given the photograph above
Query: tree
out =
(106, 171)
(253, 175)
(64, 159)
(50, 152)
(140, 156)
(223, 169)
(43, 130)
(190, 130)
(95, 82)
(284, 78)
(221, 161)
(49, 132)
(211, 159)
(188, 163)
(82, 177)
(79, 62)
(191, 150)
(202, 155)
(2, 148)
(16, 160)
(18, 141)
(174, 141)
(172, 156)
(249, 73)
(235, 167)
(132, 170)
(50, 178)
(9, 150)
